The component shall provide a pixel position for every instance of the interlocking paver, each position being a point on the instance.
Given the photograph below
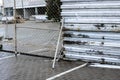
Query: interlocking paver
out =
(36, 68)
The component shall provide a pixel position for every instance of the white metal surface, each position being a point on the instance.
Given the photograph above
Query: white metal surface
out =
(92, 20)
(92, 30)
(91, 4)
(109, 51)
(92, 13)
(106, 35)
(93, 27)
(104, 66)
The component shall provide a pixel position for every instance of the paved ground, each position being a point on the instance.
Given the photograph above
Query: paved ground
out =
(4, 54)
(35, 68)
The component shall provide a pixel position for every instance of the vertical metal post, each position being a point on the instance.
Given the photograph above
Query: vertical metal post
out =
(58, 42)
(15, 29)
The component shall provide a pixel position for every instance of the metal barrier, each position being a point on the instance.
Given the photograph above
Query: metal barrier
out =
(91, 31)
(32, 30)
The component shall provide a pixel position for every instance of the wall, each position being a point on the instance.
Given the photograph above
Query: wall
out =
(24, 3)
(27, 6)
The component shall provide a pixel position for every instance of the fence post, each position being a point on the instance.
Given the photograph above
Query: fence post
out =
(58, 42)
(15, 29)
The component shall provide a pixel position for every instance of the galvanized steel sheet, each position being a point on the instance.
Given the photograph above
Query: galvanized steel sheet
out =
(92, 30)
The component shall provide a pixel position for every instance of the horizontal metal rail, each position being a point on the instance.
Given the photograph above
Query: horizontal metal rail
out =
(70, 1)
(92, 50)
(92, 58)
(92, 27)
(104, 66)
(80, 20)
(90, 5)
(92, 13)
(94, 35)
(88, 41)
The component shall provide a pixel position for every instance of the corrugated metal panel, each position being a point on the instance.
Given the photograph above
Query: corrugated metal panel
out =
(92, 27)
(91, 13)
(98, 5)
(92, 30)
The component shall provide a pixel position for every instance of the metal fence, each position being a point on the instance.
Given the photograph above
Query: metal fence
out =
(91, 30)
(37, 41)
(31, 30)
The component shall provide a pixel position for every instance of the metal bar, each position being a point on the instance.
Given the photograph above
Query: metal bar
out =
(68, 71)
(84, 0)
(104, 66)
(15, 29)
(91, 40)
(38, 28)
(92, 27)
(93, 50)
(94, 11)
(91, 5)
(86, 20)
(92, 53)
(91, 13)
(88, 41)
(91, 58)
(58, 42)
(94, 35)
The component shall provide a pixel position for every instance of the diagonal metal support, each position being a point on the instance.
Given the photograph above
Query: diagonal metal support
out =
(68, 71)
(58, 42)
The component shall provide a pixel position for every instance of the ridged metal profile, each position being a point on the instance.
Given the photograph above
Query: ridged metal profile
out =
(91, 30)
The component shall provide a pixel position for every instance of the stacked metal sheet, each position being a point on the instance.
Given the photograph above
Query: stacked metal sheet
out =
(92, 30)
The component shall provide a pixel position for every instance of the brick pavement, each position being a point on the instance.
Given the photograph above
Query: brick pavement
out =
(36, 68)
